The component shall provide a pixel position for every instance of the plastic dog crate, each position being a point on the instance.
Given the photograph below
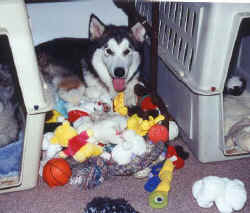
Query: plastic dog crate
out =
(196, 46)
(33, 99)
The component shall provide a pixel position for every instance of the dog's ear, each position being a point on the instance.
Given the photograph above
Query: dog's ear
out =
(139, 32)
(96, 27)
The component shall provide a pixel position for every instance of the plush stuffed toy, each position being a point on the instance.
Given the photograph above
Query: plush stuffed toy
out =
(80, 149)
(153, 105)
(54, 117)
(74, 144)
(177, 155)
(140, 126)
(54, 142)
(106, 130)
(51, 149)
(86, 107)
(119, 104)
(151, 102)
(132, 145)
(63, 133)
(228, 195)
(159, 197)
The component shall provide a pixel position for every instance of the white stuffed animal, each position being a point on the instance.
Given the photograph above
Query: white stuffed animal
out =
(88, 105)
(50, 150)
(228, 195)
(106, 130)
(132, 145)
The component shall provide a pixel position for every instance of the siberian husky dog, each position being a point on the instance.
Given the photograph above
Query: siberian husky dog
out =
(106, 63)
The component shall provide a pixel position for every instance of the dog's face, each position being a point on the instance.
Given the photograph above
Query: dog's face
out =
(116, 56)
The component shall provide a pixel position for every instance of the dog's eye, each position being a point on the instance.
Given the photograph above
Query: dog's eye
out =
(108, 51)
(126, 52)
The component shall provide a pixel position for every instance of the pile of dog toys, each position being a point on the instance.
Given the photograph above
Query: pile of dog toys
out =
(89, 128)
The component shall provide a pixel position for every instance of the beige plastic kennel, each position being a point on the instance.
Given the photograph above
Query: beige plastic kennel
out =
(34, 100)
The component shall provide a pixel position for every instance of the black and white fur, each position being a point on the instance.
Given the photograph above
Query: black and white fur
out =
(235, 85)
(107, 62)
(8, 121)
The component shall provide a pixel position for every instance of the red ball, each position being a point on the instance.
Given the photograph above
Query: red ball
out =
(158, 133)
(56, 172)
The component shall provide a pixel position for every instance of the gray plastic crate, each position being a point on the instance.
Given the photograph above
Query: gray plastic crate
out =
(196, 43)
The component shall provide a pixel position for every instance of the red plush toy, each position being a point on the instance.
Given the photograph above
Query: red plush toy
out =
(173, 156)
(73, 115)
(147, 103)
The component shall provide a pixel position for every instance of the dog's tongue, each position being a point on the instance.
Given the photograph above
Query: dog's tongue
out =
(119, 84)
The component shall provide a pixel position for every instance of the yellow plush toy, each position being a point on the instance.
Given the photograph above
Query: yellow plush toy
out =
(76, 145)
(87, 151)
(140, 126)
(80, 149)
(63, 133)
(119, 105)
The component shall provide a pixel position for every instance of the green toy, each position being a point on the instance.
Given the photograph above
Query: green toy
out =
(159, 197)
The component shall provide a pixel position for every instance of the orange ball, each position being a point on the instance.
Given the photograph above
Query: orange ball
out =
(56, 172)
(158, 133)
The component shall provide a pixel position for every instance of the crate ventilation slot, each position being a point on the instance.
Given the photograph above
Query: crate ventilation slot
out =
(177, 32)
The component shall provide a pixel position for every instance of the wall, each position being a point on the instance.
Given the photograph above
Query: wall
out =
(71, 18)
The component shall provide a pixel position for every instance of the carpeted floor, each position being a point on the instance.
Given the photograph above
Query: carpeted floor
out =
(70, 199)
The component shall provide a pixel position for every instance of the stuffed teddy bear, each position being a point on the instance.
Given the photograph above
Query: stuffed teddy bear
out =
(228, 195)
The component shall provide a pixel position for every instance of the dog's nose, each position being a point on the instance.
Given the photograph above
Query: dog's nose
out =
(119, 72)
